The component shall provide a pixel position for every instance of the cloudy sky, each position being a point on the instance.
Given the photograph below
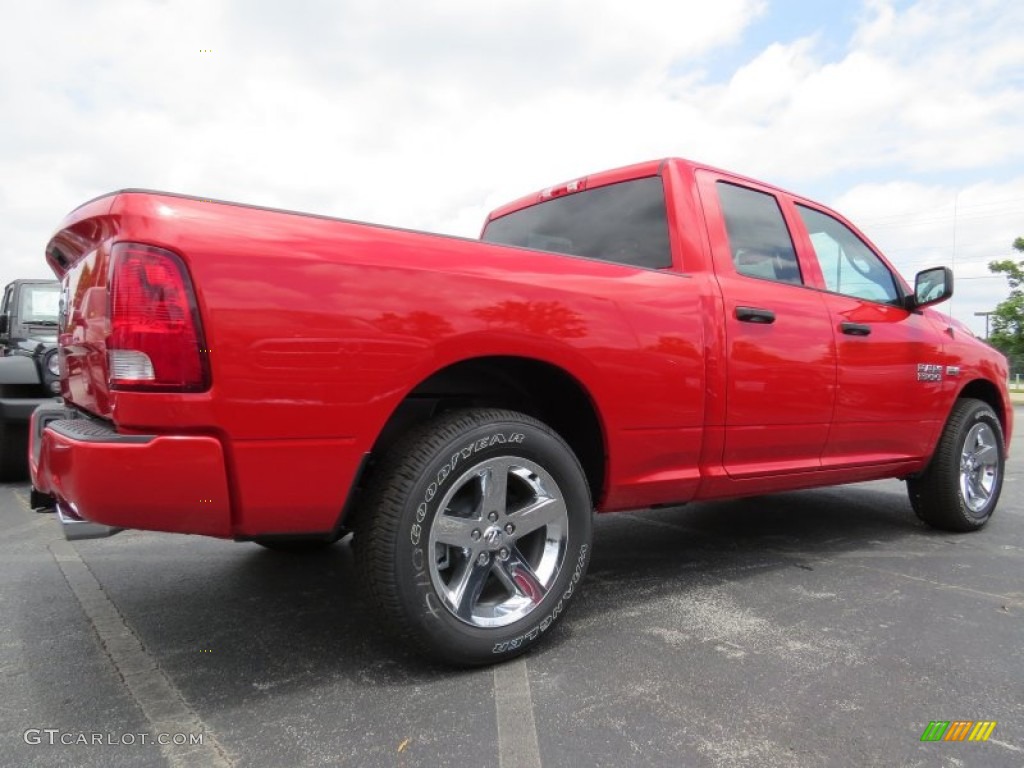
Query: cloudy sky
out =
(908, 117)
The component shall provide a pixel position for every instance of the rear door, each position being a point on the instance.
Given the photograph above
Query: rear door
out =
(780, 351)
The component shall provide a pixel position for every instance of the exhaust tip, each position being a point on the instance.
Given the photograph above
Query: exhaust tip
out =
(76, 529)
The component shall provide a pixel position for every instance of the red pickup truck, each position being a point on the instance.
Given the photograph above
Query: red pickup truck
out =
(652, 335)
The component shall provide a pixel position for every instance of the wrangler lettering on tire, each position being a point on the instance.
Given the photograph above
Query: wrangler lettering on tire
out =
(475, 534)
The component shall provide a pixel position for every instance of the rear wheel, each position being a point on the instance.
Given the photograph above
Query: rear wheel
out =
(960, 488)
(474, 535)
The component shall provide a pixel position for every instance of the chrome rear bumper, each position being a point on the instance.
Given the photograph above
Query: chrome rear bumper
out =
(75, 528)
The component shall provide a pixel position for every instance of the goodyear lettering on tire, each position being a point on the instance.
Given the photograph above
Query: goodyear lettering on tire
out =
(461, 455)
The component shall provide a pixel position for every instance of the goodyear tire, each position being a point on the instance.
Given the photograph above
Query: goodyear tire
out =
(960, 488)
(474, 535)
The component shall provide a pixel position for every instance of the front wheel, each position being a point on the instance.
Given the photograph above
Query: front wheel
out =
(960, 488)
(475, 534)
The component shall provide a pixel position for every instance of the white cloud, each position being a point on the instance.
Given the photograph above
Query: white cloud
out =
(918, 226)
(429, 114)
(936, 87)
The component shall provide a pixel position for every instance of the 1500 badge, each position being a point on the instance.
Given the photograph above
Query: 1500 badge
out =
(928, 372)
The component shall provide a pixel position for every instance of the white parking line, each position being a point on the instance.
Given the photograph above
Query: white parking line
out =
(517, 731)
(1010, 747)
(157, 697)
(160, 701)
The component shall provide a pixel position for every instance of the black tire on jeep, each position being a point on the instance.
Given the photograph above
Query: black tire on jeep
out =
(960, 488)
(474, 535)
(13, 451)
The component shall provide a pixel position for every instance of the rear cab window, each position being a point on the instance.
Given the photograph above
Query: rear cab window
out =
(624, 223)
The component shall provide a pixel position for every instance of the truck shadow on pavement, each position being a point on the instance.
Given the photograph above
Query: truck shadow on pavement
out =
(231, 622)
(797, 526)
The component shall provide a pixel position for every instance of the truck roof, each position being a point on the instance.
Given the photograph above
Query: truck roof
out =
(600, 179)
(615, 175)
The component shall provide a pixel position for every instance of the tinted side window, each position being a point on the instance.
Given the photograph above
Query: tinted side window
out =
(758, 237)
(848, 265)
(624, 223)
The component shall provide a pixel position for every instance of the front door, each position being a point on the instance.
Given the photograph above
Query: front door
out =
(890, 360)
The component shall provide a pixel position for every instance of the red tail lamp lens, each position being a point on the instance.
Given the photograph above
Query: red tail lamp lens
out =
(156, 340)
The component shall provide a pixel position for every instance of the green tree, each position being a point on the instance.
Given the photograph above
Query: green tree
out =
(1007, 333)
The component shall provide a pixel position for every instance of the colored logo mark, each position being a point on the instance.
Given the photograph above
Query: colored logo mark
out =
(958, 730)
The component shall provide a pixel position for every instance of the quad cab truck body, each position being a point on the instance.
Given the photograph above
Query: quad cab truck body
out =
(29, 375)
(652, 335)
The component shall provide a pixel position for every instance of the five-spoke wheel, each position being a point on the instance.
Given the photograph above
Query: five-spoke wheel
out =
(474, 533)
(959, 489)
(980, 467)
(498, 541)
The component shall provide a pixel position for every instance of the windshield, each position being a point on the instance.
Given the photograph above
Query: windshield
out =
(39, 303)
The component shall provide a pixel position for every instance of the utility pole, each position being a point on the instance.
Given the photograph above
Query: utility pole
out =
(986, 315)
(956, 205)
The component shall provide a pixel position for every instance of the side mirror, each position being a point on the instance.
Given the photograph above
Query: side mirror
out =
(3, 324)
(931, 286)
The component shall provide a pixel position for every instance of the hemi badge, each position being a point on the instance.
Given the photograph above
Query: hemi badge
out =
(952, 370)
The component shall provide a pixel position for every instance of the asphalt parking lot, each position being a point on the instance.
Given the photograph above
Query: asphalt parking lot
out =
(822, 628)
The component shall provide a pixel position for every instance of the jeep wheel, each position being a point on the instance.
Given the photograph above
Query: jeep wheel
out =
(474, 535)
(960, 488)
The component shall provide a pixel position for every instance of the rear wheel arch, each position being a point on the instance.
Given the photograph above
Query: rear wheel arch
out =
(530, 386)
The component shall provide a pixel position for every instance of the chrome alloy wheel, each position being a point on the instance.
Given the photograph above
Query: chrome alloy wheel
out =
(499, 541)
(979, 467)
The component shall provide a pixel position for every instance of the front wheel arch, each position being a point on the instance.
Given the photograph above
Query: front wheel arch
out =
(959, 489)
(987, 392)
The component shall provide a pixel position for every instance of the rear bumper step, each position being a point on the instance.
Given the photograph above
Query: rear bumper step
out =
(103, 481)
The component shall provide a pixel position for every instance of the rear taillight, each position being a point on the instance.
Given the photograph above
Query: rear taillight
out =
(156, 339)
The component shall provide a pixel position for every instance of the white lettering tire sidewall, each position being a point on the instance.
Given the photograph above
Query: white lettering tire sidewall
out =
(428, 615)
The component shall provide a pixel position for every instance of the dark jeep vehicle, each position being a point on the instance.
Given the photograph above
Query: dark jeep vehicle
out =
(29, 373)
